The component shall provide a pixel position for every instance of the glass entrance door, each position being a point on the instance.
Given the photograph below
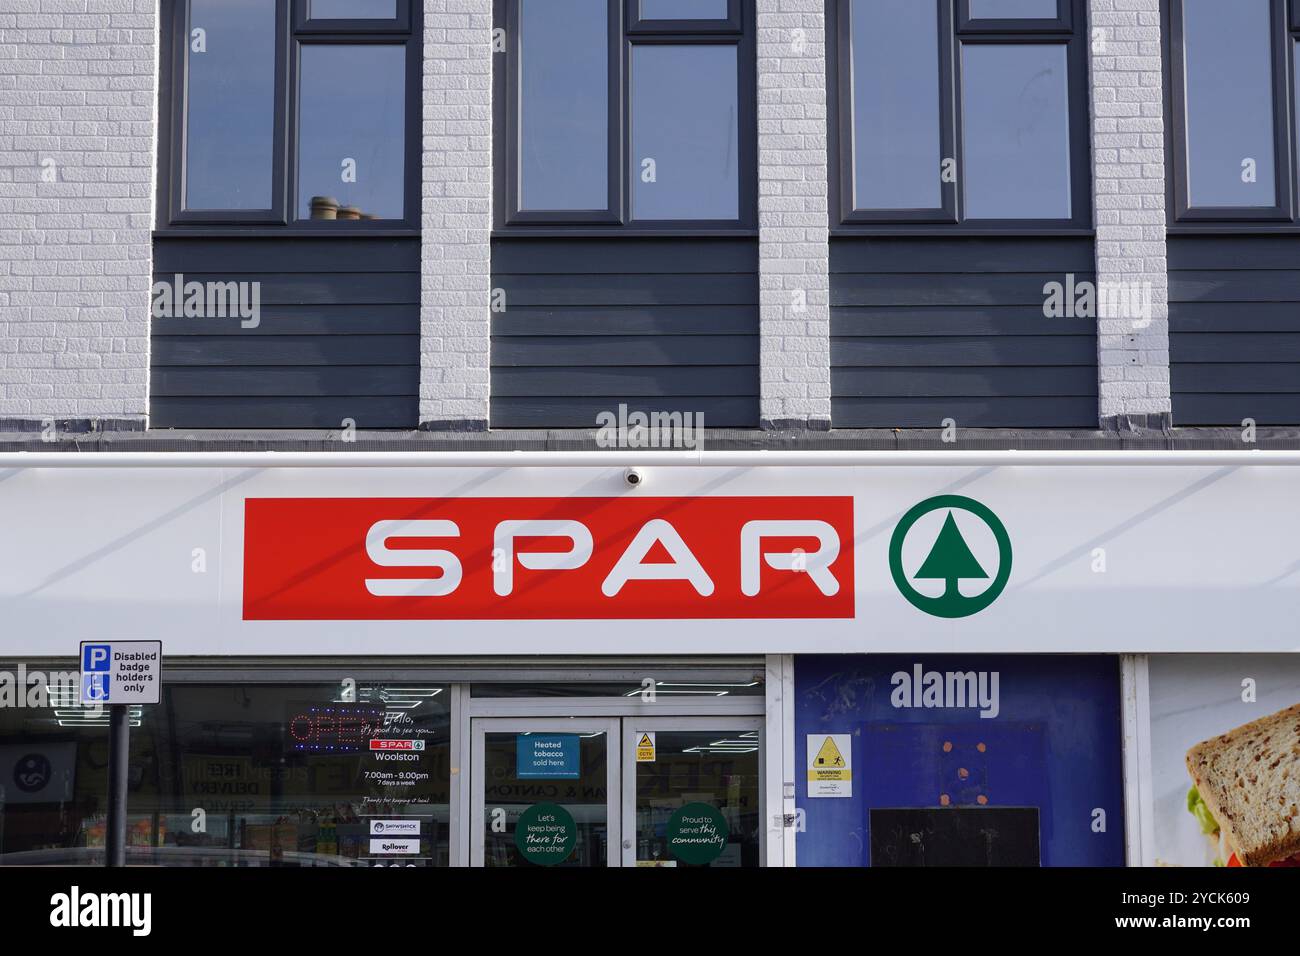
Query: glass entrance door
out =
(692, 791)
(543, 792)
(663, 792)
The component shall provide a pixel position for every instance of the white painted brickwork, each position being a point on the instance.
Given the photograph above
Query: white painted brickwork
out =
(77, 105)
(1129, 166)
(457, 213)
(792, 213)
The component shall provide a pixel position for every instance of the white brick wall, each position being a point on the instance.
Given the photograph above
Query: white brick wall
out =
(77, 105)
(792, 213)
(1129, 166)
(457, 213)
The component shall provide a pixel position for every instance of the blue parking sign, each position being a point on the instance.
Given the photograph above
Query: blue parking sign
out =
(95, 658)
(94, 688)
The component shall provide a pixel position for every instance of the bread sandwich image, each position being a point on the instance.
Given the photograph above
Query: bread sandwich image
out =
(1246, 792)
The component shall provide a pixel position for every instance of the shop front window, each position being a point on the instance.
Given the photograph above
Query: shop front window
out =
(239, 775)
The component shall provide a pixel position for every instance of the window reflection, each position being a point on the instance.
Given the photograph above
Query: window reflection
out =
(351, 150)
(239, 775)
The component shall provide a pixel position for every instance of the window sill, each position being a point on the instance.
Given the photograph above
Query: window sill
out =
(620, 232)
(280, 232)
(950, 232)
(1233, 229)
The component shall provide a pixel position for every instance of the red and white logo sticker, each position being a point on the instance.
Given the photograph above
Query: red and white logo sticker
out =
(391, 744)
(357, 559)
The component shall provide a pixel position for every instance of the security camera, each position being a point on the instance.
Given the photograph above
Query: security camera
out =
(634, 477)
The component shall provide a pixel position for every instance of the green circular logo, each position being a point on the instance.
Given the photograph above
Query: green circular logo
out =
(546, 834)
(697, 833)
(950, 559)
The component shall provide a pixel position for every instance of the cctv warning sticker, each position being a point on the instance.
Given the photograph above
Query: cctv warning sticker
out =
(830, 765)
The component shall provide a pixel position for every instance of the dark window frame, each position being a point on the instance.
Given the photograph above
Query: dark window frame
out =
(508, 219)
(950, 219)
(1283, 213)
(281, 219)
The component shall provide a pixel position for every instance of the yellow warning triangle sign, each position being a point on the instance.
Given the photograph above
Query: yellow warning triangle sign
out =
(829, 755)
(645, 741)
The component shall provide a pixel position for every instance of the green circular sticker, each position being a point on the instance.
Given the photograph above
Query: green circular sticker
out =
(697, 833)
(546, 834)
(950, 559)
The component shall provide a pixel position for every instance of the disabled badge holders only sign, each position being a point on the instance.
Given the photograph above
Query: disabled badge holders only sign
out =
(121, 672)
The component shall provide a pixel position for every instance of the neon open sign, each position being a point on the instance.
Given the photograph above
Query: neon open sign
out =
(332, 728)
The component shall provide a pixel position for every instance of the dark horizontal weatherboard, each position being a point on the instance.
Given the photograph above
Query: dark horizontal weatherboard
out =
(657, 324)
(927, 329)
(338, 337)
(1234, 329)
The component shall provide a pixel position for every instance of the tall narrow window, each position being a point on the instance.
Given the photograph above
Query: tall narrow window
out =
(897, 113)
(564, 105)
(230, 60)
(1230, 107)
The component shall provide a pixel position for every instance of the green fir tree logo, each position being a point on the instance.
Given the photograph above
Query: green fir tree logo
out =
(950, 559)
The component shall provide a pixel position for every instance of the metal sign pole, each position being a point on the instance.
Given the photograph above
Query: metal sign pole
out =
(119, 757)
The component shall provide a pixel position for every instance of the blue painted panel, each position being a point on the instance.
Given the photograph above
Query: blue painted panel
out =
(1052, 740)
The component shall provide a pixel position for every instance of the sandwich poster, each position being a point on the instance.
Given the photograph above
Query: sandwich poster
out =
(1225, 759)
